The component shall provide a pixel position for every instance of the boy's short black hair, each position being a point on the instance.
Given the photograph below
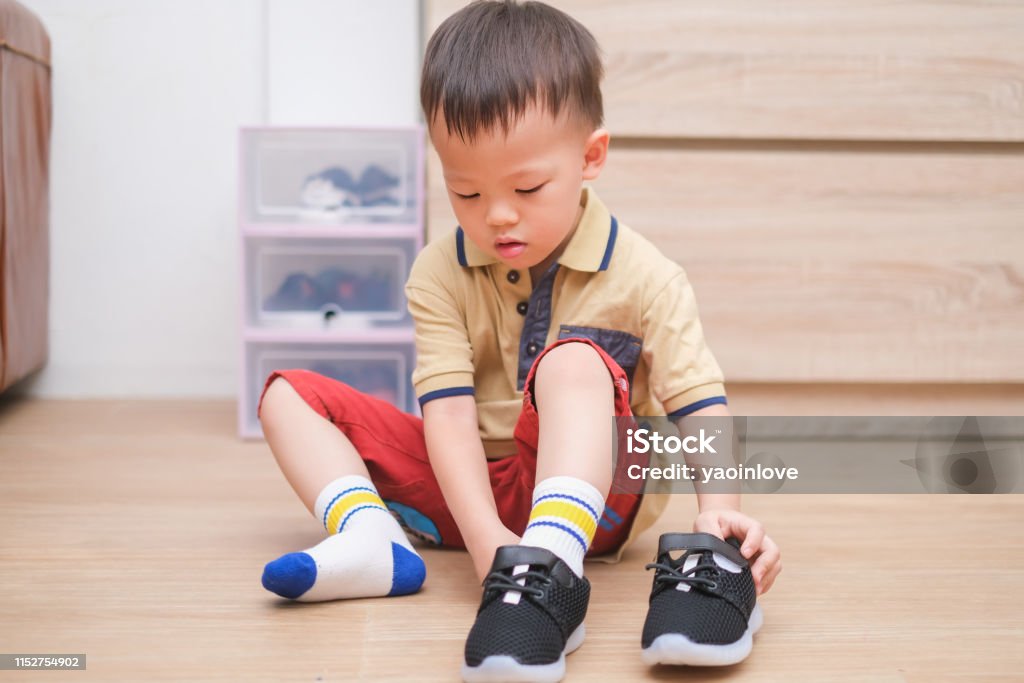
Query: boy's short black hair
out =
(490, 60)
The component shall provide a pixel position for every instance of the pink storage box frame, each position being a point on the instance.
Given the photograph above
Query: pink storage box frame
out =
(299, 230)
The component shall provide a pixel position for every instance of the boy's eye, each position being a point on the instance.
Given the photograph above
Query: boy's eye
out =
(466, 196)
(531, 190)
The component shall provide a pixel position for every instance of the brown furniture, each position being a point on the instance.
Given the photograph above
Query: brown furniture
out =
(25, 114)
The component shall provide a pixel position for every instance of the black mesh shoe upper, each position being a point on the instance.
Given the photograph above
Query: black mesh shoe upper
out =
(552, 604)
(716, 608)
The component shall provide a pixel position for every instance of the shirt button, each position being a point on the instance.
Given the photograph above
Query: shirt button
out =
(513, 276)
(531, 348)
(521, 307)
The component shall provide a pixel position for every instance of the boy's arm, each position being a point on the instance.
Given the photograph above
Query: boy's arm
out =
(706, 500)
(444, 360)
(720, 515)
(457, 458)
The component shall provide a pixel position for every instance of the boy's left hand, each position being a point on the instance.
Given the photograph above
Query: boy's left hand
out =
(757, 547)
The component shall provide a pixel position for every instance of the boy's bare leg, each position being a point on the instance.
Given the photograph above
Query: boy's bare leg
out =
(367, 554)
(310, 451)
(575, 401)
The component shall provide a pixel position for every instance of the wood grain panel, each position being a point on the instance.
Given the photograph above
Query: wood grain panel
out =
(888, 265)
(805, 69)
(866, 322)
(899, 264)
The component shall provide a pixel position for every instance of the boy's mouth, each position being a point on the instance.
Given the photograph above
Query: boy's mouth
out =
(509, 248)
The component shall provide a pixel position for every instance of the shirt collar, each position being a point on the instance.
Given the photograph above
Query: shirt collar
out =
(589, 250)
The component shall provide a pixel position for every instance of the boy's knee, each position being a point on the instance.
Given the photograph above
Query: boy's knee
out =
(572, 362)
(277, 392)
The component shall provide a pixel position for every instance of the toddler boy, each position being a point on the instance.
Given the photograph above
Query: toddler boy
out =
(538, 319)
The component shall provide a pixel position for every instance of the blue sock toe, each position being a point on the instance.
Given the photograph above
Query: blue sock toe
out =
(409, 570)
(290, 575)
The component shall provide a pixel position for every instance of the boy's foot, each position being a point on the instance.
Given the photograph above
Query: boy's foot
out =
(367, 555)
(530, 617)
(361, 563)
(703, 607)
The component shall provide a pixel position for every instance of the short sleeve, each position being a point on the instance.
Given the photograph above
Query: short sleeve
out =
(444, 356)
(684, 375)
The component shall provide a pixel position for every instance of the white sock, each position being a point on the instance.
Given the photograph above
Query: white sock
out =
(564, 518)
(367, 554)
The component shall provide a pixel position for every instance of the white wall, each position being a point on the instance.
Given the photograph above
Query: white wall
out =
(339, 62)
(148, 97)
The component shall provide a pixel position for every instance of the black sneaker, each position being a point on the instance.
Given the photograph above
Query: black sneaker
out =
(530, 617)
(703, 608)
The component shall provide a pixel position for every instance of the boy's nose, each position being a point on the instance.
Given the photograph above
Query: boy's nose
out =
(499, 215)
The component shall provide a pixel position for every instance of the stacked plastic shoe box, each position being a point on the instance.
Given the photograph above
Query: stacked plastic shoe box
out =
(330, 221)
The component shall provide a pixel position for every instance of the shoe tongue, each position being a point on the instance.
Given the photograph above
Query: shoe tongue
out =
(706, 557)
(691, 559)
(517, 559)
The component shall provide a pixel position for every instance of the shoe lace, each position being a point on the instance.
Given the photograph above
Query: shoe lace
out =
(506, 582)
(673, 573)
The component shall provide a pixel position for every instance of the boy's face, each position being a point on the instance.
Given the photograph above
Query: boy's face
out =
(517, 197)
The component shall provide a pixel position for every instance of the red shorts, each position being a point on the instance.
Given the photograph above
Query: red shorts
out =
(392, 445)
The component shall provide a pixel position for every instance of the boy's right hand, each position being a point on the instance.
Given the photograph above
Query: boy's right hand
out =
(482, 549)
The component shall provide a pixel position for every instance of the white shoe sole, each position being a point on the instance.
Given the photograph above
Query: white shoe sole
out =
(675, 648)
(505, 669)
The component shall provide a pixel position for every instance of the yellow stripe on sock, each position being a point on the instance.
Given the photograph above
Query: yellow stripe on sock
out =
(568, 511)
(349, 502)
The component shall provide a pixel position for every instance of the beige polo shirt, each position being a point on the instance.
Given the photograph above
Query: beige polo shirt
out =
(480, 324)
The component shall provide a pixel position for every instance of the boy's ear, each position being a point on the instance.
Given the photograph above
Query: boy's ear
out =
(595, 152)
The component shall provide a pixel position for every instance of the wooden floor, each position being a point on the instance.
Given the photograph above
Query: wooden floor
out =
(136, 532)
